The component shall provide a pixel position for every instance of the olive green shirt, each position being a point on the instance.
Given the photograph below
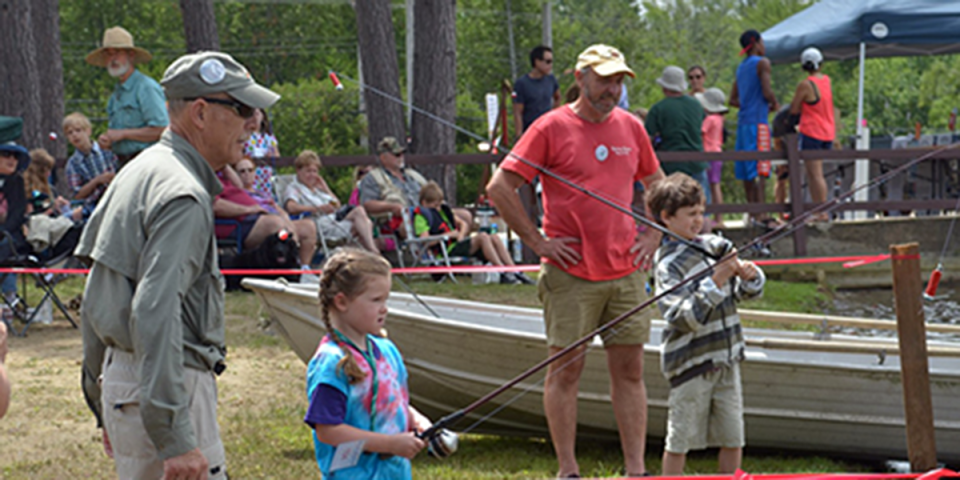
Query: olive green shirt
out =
(155, 288)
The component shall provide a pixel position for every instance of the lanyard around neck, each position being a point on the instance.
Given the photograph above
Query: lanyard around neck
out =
(372, 363)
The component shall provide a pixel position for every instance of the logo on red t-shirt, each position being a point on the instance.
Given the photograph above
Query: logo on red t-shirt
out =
(601, 153)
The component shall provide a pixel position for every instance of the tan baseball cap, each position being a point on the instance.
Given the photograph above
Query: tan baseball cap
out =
(390, 144)
(605, 60)
(204, 73)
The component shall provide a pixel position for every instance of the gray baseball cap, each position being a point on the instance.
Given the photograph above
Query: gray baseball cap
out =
(204, 73)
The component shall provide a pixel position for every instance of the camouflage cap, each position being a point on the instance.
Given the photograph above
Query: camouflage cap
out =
(390, 144)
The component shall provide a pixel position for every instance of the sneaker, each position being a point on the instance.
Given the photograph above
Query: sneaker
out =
(509, 278)
(309, 278)
(524, 278)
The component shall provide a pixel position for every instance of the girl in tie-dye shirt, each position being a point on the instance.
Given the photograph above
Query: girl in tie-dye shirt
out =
(356, 381)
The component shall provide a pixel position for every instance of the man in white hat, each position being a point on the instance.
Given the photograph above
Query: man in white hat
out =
(153, 330)
(674, 125)
(592, 255)
(136, 110)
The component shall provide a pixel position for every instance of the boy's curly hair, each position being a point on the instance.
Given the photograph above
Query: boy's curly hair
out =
(676, 191)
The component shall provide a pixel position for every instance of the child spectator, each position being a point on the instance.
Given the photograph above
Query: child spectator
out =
(356, 381)
(714, 103)
(433, 216)
(703, 341)
(262, 145)
(90, 169)
(38, 190)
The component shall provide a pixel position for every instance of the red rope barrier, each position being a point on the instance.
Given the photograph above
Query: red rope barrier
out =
(849, 262)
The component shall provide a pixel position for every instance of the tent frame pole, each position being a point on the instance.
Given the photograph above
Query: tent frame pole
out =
(862, 167)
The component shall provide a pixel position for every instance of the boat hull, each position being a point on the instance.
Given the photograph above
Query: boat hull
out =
(840, 404)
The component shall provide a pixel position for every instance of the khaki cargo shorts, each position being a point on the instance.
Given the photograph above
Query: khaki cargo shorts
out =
(133, 452)
(574, 307)
(706, 411)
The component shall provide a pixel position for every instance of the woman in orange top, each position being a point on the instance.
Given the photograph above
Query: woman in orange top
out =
(813, 101)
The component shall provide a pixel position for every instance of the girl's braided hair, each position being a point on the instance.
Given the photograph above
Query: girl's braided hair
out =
(347, 271)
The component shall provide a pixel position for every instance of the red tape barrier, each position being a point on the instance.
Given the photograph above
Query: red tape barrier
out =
(741, 475)
(848, 262)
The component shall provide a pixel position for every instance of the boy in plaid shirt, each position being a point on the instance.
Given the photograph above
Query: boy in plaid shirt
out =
(90, 169)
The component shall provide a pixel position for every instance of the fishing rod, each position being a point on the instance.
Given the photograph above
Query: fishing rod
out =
(596, 196)
(784, 229)
(452, 418)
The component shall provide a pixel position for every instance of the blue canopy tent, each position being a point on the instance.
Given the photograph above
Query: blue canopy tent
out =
(845, 29)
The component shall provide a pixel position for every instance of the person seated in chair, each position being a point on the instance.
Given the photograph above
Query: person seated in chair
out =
(433, 217)
(247, 171)
(39, 191)
(14, 159)
(390, 188)
(256, 223)
(309, 193)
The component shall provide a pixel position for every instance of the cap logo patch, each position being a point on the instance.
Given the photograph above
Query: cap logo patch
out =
(212, 71)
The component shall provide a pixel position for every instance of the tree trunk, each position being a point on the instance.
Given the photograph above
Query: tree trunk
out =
(199, 25)
(46, 24)
(19, 77)
(435, 87)
(378, 51)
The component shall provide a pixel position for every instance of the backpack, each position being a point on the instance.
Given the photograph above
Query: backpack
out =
(278, 251)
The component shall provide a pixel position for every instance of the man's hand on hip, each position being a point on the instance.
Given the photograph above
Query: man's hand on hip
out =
(645, 246)
(189, 466)
(556, 249)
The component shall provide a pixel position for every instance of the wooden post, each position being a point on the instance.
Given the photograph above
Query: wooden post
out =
(796, 193)
(914, 369)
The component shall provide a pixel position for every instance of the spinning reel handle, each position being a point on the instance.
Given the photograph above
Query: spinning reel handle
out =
(441, 443)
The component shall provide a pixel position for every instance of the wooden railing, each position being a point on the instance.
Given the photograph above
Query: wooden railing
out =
(792, 155)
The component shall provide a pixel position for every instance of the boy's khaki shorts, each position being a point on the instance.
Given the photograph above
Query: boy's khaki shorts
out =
(706, 411)
(574, 307)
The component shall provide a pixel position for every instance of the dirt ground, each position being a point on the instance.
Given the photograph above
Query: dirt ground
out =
(49, 433)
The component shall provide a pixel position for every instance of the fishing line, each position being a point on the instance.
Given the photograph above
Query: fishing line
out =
(765, 238)
(596, 196)
(352, 240)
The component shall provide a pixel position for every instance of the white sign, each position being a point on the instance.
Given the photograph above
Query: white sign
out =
(493, 111)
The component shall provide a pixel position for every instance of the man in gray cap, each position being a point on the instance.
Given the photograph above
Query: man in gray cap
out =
(153, 328)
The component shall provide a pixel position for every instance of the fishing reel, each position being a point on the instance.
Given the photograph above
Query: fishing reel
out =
(442, 443)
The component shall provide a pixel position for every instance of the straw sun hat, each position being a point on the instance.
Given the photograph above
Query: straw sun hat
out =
(117, 38)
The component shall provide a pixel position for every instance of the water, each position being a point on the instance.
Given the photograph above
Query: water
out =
(878, 303)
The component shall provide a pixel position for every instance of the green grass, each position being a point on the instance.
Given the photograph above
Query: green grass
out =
(262, 403)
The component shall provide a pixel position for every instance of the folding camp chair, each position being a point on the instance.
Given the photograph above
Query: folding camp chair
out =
(45, 282)
(430, 251)
(280, 183)
(232, 242)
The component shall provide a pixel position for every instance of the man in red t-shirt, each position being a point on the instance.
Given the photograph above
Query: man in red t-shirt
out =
(591, 253)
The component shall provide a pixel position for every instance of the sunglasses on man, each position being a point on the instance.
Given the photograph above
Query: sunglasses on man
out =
(244, 111)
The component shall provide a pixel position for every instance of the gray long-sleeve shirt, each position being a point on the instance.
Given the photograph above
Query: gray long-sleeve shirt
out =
(154, 287)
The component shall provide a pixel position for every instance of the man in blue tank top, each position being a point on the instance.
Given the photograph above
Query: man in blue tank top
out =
(753, 94)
